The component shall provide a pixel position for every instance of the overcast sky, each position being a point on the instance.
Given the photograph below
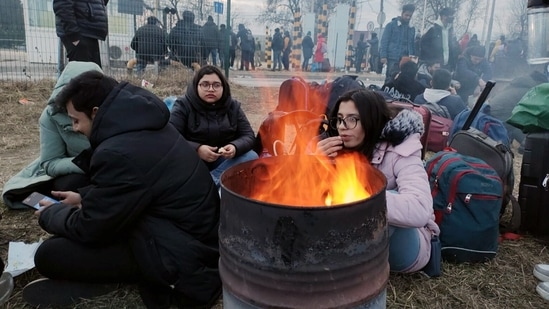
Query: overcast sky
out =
(248, 10)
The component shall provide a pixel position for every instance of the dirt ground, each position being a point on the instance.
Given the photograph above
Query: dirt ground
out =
(505, 282)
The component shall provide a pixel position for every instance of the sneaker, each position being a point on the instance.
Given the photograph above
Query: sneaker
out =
(543, 290)
(541, 271)
(6, 287)
(45, 292)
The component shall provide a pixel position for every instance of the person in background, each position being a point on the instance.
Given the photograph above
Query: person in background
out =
(185, 40)
(463, 42)
(425, 72)
(473, 41)
(246, 47)
(397, 40)
(439, 43)
(233, 41)
(360, 52)
(320, 49)
(149, 43)
(211, 40)
(54, 169)
(150, 216)
(213, 122)
(277, 46)
(404, 86)
(374, 53)
(441, 93)
(390, 139)
(80, 24)
(307, 45)
(287, 50)
(224, 38)
(472, 72)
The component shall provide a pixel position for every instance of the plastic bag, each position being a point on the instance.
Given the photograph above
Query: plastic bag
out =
(531, 114)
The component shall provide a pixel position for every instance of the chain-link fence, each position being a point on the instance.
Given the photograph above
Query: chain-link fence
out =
(30, 48)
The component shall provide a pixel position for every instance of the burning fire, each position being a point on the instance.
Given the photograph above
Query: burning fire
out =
(309, 180)
(302, 179)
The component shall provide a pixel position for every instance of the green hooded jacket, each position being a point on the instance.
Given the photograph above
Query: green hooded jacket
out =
(59, 144)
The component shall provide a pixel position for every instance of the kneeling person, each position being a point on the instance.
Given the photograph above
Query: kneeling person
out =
(150, 215)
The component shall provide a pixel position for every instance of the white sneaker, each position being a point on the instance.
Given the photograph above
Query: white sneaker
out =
(543, 290)
(541, 271)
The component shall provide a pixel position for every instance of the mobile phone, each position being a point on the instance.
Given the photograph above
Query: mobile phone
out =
(34, 199)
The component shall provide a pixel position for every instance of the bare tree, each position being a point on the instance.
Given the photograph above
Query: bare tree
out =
(518, 24)
(473, 11)
(465, 17)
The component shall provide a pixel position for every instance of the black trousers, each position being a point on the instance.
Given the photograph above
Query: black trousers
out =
(87, 50)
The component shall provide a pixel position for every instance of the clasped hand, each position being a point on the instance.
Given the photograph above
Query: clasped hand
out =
(210, 153)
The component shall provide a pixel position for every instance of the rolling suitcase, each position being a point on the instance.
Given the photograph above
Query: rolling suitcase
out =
(475, 143)
(534, 184)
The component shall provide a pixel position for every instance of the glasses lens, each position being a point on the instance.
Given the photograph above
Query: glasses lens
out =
(350, 122)
(206, 86)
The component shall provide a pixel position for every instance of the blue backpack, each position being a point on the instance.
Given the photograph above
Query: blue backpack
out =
(467, 196)
(483, 122)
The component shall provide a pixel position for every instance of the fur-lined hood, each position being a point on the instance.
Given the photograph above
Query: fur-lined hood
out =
(404, 124)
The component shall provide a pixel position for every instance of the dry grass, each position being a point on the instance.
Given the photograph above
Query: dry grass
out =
(505, 282)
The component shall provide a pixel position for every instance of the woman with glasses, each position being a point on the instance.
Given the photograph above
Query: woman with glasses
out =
(213, 122)
(362, 121)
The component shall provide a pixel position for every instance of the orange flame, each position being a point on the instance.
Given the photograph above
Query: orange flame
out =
(309, 180)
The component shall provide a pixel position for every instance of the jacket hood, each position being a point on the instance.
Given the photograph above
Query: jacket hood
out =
(435, 95)
(424, 69)
(198, 104)
(128, 108)
(73, 69)
(404, 124)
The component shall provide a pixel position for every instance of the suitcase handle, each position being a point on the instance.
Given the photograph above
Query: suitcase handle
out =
(481, 99)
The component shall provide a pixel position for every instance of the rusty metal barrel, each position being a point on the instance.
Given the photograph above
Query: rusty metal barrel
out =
(282, 256)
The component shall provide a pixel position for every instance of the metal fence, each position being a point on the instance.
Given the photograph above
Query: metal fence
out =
(31, 50)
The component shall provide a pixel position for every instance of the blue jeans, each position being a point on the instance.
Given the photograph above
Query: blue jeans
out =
(403, 247)
(277, 60)
(221, 164)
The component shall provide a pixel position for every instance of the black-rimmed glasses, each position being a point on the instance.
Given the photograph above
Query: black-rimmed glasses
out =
(348, 122)
(206, 86)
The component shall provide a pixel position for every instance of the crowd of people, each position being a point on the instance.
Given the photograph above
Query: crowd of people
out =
(194, 45)
(138, 197)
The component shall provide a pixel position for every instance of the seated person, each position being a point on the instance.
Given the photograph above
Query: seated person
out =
(472, 72)
(425, 72)
(213, 122)
(442, 94)
(362, 121)
(59, 144)
(150, 215)
(404, 86)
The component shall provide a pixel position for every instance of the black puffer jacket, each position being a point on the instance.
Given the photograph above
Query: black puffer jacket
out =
(150, 189)
(211, 35)
(81, 18)
(216, 124)
(149, 40)
(185, 40)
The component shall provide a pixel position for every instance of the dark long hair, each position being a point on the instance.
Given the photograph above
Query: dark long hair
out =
(210, 69)
(374, 113)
